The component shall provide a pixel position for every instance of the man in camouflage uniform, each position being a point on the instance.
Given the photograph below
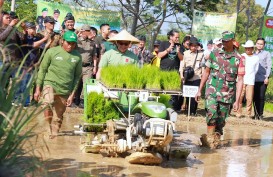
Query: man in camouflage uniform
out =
(50, 38)
(144, 55)
(223, 67)
(87, 49)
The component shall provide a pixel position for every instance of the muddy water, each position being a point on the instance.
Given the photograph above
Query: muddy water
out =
(245, 151)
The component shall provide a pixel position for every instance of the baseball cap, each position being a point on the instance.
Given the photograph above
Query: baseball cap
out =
(157, 42)
(210, 42)
(217, 41)
(141, 38)
(85, 28)
(49, 19)
(227, 36)
(44, 9)
(30, 25)
(70, 36)
(56, 11)
(194, 40)
(69, 17)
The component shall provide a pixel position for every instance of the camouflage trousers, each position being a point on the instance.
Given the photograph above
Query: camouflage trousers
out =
(216, 112)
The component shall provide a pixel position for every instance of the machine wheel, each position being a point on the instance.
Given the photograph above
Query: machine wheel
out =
(137, 118)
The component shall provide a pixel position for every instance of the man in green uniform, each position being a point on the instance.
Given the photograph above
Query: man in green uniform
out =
(59, 74)
(223, 67)
(121, 55)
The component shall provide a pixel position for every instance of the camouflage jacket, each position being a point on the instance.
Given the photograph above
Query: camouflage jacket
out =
(54, 40)
(144, 55)
(224, 69)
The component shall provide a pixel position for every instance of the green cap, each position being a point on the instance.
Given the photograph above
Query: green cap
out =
(70, 36)
(227, 35)
(44, 9)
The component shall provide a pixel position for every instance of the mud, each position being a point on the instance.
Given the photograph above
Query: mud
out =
(245, 151)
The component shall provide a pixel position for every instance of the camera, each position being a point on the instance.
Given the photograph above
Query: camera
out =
(177, 44)
(13, 15)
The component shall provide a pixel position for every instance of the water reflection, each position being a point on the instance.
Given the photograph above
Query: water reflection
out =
(245, 151)
(266, 149)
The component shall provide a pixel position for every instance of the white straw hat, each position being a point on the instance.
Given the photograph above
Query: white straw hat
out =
(249, 43)
(124, 36)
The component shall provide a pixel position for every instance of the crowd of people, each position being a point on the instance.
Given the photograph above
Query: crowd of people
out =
(74, 56)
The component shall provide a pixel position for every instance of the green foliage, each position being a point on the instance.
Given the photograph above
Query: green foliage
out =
(24, 9)
(268, 107)
(132, 77)
(165, 99)
(15, 131)
(100, 109)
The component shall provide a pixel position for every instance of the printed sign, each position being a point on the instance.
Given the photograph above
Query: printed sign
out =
(209, 25)
(190, 91)
(267, 34)
(82, 15)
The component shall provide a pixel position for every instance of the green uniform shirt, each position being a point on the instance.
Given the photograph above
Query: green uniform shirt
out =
(61, 70)
(114, 57)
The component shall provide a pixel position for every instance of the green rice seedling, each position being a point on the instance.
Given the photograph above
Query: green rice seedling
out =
(165, 99)
(175, 82)
(171, 80)
(127, 74)
(153, 77)
(100, 109)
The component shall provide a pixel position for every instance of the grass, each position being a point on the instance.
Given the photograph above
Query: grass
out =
(268, 107)
(17, 148)
(13, 132)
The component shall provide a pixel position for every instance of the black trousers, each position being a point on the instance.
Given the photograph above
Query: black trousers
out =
(259, 98)
(77, 97)
(194, 104)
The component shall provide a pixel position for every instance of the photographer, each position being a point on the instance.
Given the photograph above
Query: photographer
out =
(192, 60)
(10, 39)
(170, 53)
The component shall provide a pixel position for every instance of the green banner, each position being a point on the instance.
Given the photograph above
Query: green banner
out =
(82, 15)
(267, 34)
(209, 25)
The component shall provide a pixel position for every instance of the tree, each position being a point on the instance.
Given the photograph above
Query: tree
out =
(24, 9)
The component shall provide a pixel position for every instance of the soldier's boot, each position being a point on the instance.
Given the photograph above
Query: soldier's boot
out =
(211, 139)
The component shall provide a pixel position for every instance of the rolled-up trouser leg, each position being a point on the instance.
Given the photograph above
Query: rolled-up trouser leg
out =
(48, 100)
(60, 107)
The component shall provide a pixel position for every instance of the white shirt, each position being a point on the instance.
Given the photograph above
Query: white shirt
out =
(251, 68)
(57, 26)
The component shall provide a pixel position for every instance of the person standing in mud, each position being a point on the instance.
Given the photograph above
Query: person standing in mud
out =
(58, 77)
(223, 67)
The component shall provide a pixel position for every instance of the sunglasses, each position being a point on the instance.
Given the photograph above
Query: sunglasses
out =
(124, 43)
